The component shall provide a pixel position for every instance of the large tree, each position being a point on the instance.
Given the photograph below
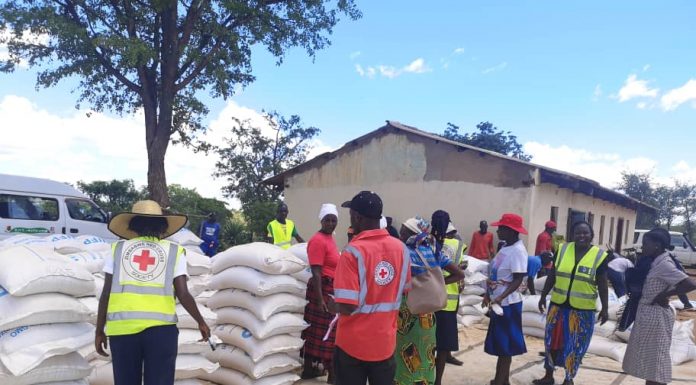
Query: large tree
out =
(249, 157)
(158, 55)
(489, 137)
(113, 196)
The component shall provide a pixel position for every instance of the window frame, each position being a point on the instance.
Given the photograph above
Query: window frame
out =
(28, 198)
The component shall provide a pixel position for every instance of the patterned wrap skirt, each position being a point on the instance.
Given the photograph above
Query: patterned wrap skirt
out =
(415, 347)
(315, 348)
(567, 337)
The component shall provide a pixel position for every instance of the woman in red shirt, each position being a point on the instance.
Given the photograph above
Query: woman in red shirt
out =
(322, 253)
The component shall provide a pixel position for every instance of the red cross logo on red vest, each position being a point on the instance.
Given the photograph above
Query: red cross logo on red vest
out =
(144, 260)
(384, 273)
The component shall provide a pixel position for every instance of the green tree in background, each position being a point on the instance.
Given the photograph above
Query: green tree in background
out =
(112, 196)
(489, 137)
(159, 55)
(642, 187)
(188, 201)
(249, 157)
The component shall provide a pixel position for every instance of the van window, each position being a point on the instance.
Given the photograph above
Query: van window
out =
(84, 210)
(678, 241)
(28, 208)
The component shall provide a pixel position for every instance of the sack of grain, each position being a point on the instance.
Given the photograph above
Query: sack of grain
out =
(66, 367)
(256, 282)
(280, 323)
(25, 271)
(224, 376)
(185, 237)
(93, 261)
(235, 358)
(197, 263)
(187, 322)
(257, 349)
(193, 366)
(261, 256)
(38, 309)
(261, 307)
(605, 347)
(24, 348)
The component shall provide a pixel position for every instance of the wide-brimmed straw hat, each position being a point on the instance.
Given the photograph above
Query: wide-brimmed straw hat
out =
(146, 208)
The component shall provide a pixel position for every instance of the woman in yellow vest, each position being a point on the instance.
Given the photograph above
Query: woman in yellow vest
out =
(137, 305)
(579, 277)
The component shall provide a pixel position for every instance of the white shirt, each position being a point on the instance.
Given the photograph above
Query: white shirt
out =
(510, 260)
(179, 269)
(620, 264)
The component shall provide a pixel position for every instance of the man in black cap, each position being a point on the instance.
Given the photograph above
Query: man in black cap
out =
(371, 275)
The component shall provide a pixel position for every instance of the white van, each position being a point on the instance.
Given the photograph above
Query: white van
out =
(44, 207)
(684, 251)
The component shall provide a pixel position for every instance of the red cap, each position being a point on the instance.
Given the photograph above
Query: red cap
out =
(550, 224)
(512, 221)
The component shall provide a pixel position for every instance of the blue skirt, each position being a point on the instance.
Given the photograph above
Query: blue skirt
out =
(505, 336)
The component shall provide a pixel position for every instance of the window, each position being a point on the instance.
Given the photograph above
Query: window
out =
(84, 210)
(628, 224)
(554, 214)
(678, 241)
(28, 207)
(601, 229)
(636, 235)
(611, 230)
(590, 219)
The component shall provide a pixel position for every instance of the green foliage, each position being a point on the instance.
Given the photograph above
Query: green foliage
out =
(113, 196)
(249, 157)
(158, 55)
(641, 186)
(190, 202)
(235, 232)
(490, 138)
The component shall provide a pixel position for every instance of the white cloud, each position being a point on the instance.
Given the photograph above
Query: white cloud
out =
(678, 96)
(642, 105)
(354, 55)
(646, 67)
(597, 92)
(74, 147)
(458, 51)
(417, 66)
(634, 88)
(27, 37)
(496, 68)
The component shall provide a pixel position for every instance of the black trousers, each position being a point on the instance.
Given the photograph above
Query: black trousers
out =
(349, 370)
(154, 350)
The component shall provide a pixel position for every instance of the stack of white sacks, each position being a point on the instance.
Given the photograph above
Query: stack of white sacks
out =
(606, 340)
(259, 306)
(43, 325)
(470, 310)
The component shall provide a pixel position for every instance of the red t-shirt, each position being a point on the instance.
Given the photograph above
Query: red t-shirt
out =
(543, 243)
(481, 246)
(322, 251)
(371, 335)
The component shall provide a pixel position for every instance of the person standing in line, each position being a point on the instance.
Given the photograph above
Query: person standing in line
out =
(481, 245)
(391, 229)
(506, 273)
(455, 242)
(579, 278)
(137, 308)
(617, 273)
(651, 283)
(536, 264)
(209, 234)
(415, 338)
(372, 274)
(544, 241)
(682, 297)
(282, 230)
(322, 253)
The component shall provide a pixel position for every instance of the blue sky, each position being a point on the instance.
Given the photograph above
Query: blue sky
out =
(589, 87)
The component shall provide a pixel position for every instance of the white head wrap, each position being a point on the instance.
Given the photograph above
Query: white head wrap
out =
(382, 222)
(326, 209)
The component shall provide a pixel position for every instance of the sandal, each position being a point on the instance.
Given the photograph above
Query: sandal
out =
(542, 381)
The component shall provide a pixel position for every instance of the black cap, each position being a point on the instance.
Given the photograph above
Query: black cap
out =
(366, 203)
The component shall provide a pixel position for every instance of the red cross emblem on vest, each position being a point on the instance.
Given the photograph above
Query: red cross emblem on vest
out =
(144, 260)
(384, 273)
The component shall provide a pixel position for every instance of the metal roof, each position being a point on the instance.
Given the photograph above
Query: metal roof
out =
(560, 178)
(25, 184)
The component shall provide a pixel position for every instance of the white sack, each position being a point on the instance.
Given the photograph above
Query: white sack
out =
(224, 376)
(64, 244)
(235, 358)
(470, 320)
(261, 307)
(93, 261)
(471, 310)
(261, 256)
(256, 282)
(102, 374)
(25, 271)
(189, 342)
(303, 275)
(197, 263)
(531, 303)
(476, 265)
(539, 284)
(202, 299)
(534, 319)
(92, 304)
(24, 348)
(187, 322)
(59, 368)
(683, 348)
(28, 239)
(300, 251)
(468, 300)
(280, 323)
(255, 348)
(474, 289)
(534, 332)
(474, 278)
(38, 309)
(198, 284)
(606, 330)
(98, 284)
(192, 366)
(605, 347)
(185, 237)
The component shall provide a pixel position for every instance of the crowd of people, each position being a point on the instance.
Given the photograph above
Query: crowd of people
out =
(363, 326)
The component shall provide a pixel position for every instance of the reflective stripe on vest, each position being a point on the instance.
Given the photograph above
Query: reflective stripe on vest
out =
(452, 289)
(133, 305)
(581, 292)
(282, 238)
(363, 307)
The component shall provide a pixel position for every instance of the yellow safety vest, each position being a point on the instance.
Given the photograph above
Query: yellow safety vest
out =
(142, 288)
(453, 288)
(582, 293)
(282, 237)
